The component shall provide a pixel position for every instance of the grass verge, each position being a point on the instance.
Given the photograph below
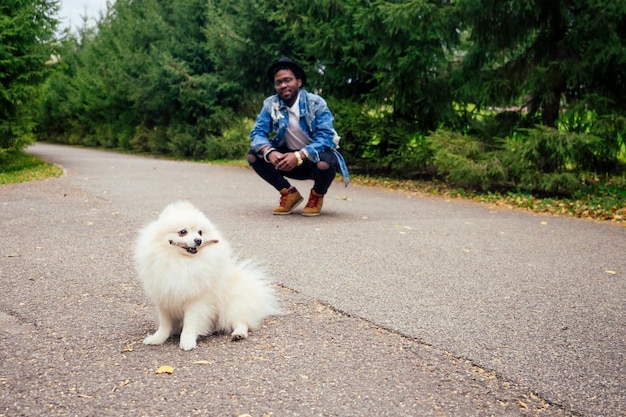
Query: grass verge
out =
(603, 202)
(22, 167)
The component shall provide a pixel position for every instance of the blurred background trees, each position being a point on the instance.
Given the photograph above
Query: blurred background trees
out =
(26, 46)
(510, 94)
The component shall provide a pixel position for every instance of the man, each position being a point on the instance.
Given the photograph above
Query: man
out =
(305, 143)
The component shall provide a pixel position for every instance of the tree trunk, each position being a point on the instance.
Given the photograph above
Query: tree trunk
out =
(551, 107)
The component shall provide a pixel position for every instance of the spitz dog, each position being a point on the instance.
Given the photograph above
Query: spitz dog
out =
(198, 286)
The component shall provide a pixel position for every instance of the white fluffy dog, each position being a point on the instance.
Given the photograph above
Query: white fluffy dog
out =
(198, 286)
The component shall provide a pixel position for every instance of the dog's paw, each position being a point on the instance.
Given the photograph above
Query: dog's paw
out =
(188, 343)
(154, 339)
(240, 333)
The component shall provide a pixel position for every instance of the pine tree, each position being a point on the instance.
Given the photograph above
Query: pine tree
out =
(540, 54)
(26, 44)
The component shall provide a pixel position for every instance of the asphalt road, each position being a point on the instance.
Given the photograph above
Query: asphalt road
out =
(394, 304)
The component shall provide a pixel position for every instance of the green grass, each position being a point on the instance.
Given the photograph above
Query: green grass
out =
(22, 167)
(603, 202)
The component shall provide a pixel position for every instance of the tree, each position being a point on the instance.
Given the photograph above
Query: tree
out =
(26, 44)
(541, 54)
(142, 80)
(186, 77)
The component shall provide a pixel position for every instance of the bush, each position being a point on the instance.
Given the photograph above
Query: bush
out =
(185, 142)
(541, 159)
(373, 142)
(232, 144)
(466, 161)
(153, 140)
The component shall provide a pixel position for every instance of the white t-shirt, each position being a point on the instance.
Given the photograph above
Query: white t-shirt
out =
(294, 136)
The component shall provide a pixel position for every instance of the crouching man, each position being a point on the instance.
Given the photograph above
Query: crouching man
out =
(305, 143)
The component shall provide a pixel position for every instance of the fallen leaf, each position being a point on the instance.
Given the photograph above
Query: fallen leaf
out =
(165, 369)
(608, 271)
(544, 223)
(522, 404)
(204, 362)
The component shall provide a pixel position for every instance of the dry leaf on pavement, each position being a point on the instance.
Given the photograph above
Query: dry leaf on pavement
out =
(165, 369)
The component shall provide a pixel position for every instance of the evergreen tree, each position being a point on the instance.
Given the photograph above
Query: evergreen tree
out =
(538, 53)
(26, 44)
(186, 76)
(143, 80)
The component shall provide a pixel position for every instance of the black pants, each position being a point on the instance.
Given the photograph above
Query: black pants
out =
(322, 178)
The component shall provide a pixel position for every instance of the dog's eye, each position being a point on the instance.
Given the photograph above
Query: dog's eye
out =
(200, 232)
(182, 232)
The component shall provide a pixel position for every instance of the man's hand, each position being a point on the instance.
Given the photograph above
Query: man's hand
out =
(283, 161)
(275, 157)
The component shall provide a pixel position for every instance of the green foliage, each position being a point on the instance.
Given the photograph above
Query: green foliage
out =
(513, 94)
(413, 43)
(26, 35)
(372, 143)
(382, 53)
(465, 161)
(541, 54)
(241, 41)
(610, 129)
(540, 159)
(152, 140)
(183, 142)
(140, 80)
(232, 144)
(550, 150)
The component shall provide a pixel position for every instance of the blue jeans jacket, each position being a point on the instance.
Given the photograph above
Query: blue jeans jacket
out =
(316, 122)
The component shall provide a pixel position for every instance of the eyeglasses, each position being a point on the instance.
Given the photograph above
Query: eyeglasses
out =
(280, 82)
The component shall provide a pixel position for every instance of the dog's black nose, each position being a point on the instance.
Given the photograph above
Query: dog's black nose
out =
(198, 242)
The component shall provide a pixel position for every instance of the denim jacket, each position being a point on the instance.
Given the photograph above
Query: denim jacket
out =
(316, 122)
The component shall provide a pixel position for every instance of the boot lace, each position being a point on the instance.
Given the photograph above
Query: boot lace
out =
(313, 200)
(283, 200)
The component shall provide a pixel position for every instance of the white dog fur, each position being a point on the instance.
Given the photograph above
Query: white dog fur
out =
(198, 286)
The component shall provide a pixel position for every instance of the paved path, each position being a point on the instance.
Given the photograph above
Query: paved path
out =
(396, 305)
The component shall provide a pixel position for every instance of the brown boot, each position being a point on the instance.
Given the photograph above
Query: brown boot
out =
(314, 206)
(289, 199)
